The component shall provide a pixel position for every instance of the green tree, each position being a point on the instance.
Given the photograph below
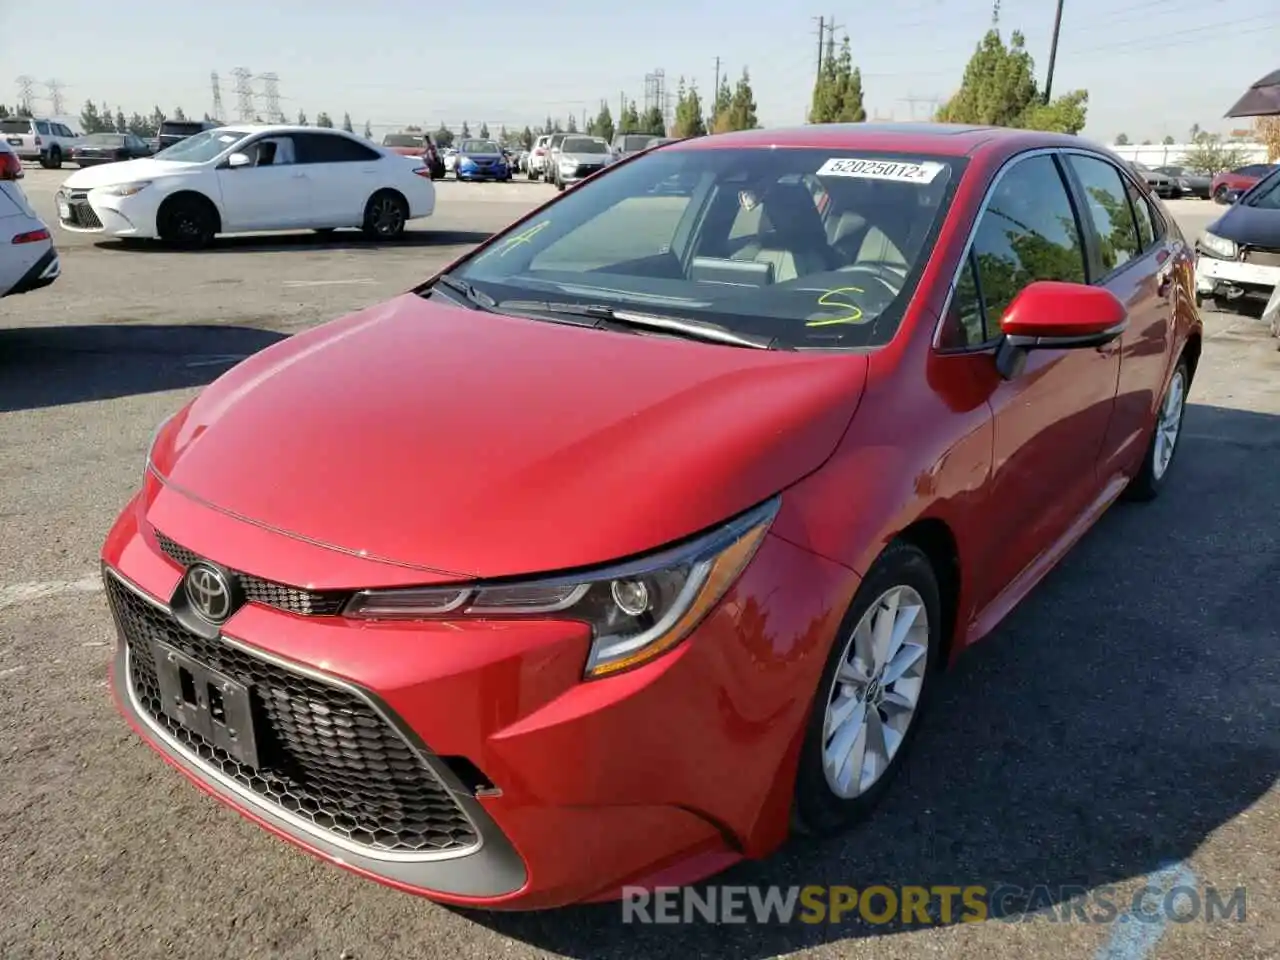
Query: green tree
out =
(322, 120)
(466, 130)
(689, 120)
(368, 131)
(571, 124)
(999, 89)
(90, 119)
(720, 108)
(302, 119)
(825, 105)
(484, 130)
(122, 125)
(1122, 140)
(629, 122)
(503, 136)
(1211, 156)
(527, 138)
(602, 125)
(178, 114)
(740, 114)
(851, 107)
(443, 137)
(653, 123)
(346, 123)
(1167, 141)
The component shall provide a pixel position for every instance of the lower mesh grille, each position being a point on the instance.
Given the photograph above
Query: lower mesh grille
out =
(325, 755)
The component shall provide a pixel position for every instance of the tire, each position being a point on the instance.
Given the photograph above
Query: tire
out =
(385, 216)
(1220, 195)
(189, 222)
(904, 572)
(55, 159)
(1166, 432)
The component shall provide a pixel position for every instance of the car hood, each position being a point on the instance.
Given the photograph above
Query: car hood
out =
(477, 445)
(127, 171)
(585, 157)
(1249, 225)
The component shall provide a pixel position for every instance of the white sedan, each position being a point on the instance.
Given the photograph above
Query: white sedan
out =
(246, 179)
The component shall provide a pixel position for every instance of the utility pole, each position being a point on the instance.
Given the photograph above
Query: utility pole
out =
(1053, 51)
(216, 86)
(715, 98)
(822, 37)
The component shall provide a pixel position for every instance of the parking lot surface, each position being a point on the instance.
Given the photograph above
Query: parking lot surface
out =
(1119, 729)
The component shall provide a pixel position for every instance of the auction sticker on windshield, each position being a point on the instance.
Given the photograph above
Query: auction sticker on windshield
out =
(881, 169)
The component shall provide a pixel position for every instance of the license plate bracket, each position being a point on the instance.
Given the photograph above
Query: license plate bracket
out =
(208, 703)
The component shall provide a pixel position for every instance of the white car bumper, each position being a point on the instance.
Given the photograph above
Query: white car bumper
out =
(1211, 274)
(94, 211)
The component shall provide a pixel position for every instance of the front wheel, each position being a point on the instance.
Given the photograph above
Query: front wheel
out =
(1220, 195)
(872, 692)
(188, 222)
(1150, 479)
(385, 216)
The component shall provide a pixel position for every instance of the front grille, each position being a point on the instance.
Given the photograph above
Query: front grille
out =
(82, 214)
(309, 603)
(325, 756)
(1262, 258)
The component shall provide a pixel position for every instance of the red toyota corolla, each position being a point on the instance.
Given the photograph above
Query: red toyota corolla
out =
(639, 535)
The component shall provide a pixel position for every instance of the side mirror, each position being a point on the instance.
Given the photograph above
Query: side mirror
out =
(1051, 315)
(239, 160)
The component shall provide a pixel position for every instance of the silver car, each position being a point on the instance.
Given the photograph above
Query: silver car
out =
(28, 259)
(579, 158)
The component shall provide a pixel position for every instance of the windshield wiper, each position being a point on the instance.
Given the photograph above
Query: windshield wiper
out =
(680, 326)
(481, 300)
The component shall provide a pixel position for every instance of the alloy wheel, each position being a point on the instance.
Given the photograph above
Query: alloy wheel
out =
(388, 218)
(876, 692)
(1168, 425)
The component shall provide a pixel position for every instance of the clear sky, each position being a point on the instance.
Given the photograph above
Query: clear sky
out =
(1152, 67)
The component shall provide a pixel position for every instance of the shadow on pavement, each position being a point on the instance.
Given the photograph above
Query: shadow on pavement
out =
(51, 366)
(303, 242)
(1121, 715)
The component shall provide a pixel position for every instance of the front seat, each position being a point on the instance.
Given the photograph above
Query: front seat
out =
(791, 235)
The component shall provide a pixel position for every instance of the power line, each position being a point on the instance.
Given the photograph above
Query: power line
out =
(217, 96)
(271, 93)
(26, 94)
(55, 88)
(244, 94)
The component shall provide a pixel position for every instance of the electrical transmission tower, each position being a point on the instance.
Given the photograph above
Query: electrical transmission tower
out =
(56, 103)
(271, 94)
(26, 95)
(244, 94)
(655, 94)
(217, 96)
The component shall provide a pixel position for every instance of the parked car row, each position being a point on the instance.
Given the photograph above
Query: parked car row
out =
(52, 143)
(587, 155)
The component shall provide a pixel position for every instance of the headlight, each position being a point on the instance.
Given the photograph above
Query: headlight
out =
(1220, 245)
(126, 189)
(637, 610)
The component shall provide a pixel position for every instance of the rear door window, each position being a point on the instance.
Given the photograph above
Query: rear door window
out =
(1107, 202)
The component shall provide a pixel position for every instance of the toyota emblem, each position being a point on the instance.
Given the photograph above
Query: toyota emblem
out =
(208, 592)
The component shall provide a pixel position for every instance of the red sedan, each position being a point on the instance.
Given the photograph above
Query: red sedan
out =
(642, 532)
(1240, 179)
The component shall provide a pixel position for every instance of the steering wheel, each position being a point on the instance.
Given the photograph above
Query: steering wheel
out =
(888, 275)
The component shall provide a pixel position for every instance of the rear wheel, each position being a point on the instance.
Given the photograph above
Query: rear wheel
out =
(1220, 195)
(55, 159)
(1150, 479)
(872, 692)
(385, 215)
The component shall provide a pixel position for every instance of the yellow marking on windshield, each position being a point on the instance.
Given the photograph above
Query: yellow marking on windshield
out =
(838, 299)
(512, 242)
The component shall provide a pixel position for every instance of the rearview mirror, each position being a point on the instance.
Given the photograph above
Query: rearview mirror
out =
(1052, 315)
(238, 160)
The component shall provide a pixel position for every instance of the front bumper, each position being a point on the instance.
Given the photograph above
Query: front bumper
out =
(495, 172)
(1234, 279)
(572, 789)
(84, 211)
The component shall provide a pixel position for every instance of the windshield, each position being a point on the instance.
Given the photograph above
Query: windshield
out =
(20, 125)
(203, 147)
(630, 143)
(1265, 194)
(105, 139)
(584, 145)
(180, 128)
(814, 248)
(478, 146)
(401, 140)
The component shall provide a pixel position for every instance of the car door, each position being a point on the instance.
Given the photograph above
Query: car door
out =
(344, 175)
(272, 193)
(1051, 419)
(1134, 255)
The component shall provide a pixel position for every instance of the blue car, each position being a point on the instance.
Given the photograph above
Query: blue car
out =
(481, 160)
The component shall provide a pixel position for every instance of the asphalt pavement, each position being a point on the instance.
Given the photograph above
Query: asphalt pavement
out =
(1118, 730)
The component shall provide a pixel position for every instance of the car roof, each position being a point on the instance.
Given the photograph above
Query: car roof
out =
(283, 128)
(942, 139)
